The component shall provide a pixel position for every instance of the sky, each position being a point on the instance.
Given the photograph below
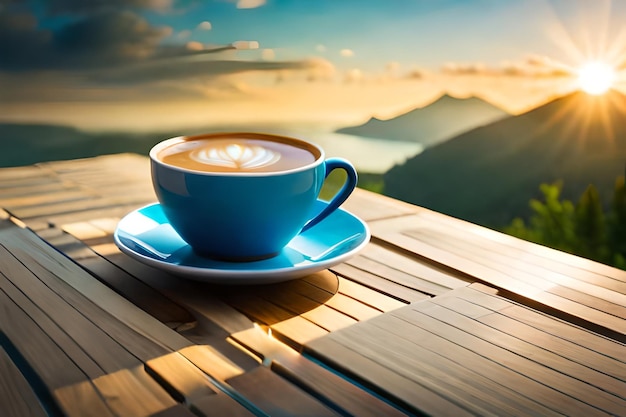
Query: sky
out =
(162, 64)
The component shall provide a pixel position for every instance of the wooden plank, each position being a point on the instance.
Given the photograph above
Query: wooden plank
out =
(519, 266)
(106, 224)
(374, 299)
(343, 395)
(397, 389)
(450, 367)
(220, 405)
(615, 307)
(402, 261)
(384, 269)
(143, 334)
(352, 308)
(580, 396)
(136, 291)
(98, 331)
(265, 347)
(317, 380)
(319, 287)
(571, 334)
(178, 410)
(371, 206)
(36, 187)
(82, 400)
(85, 214)
(378, 283)
(612, 326)
(408, 271)
(83, 230)
(41, 353)
(182, 379)
(54, 331)
(290, 298)
(217, 364)
(328, 318)
(297, 331)
(513, 339)
(445, 259)
(39, 200)
(554, 344)
(559, 258)
(70, 246)
(258, 309)
(68, 207)
(23, 173)
(278, 397)
(385, 345)
(17, 398)
(128, 393)
(608, 324)
(197, 297)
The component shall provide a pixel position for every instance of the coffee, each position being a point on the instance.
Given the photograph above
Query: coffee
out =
(243, 152)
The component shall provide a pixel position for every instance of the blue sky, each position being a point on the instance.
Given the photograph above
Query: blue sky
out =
(320, 60)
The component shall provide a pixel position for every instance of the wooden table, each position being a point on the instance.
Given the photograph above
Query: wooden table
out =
(436, 316)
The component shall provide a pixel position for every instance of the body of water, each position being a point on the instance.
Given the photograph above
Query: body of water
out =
(367, 154)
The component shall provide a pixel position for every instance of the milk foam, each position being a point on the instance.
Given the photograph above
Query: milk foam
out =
(237, 156)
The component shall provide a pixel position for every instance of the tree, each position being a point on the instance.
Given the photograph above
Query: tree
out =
(552, 221)
(617, 224)
(590, 227)
(583, 229)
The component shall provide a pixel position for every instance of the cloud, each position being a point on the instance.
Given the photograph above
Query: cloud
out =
(103, 39)
(183, 34)
(246, 44)
(268, 55)
(353, 75)
(533, 66)
(250, 4)
(205, 25)
(346, 53)
(320, 48)
(21, 43)
(84, 7)
(108, 38)
(188, 69)
(194, 46)
(414, 75)
(464, 68)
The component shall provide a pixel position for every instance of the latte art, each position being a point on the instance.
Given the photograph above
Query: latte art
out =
(241, 156)
(239, 153)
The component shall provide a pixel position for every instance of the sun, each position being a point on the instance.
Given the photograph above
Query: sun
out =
(596, 77)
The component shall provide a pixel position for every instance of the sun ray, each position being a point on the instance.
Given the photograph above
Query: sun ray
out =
(596, 77)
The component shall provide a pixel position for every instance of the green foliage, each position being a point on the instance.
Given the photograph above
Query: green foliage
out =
(583, 228)
(590, 226)
(334, 181)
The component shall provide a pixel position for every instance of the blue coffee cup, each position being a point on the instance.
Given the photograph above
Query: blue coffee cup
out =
(243, 214)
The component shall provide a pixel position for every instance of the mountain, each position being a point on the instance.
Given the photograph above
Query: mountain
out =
(489, 174)
(25, 144)
(444, 118)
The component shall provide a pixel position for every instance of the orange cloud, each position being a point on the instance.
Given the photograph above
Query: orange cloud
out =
(346, 53)
(250, 4)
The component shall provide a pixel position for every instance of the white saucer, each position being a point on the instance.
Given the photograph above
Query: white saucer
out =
(146, 235)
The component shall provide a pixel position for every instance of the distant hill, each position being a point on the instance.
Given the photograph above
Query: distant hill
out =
(489, 174)
(444, 118)
(25, 144)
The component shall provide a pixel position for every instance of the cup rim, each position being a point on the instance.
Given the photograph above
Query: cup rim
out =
(251, 135)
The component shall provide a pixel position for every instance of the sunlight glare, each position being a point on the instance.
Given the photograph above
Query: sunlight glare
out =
(596, 77)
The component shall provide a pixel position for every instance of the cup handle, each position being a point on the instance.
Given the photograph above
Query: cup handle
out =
(342, 194)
